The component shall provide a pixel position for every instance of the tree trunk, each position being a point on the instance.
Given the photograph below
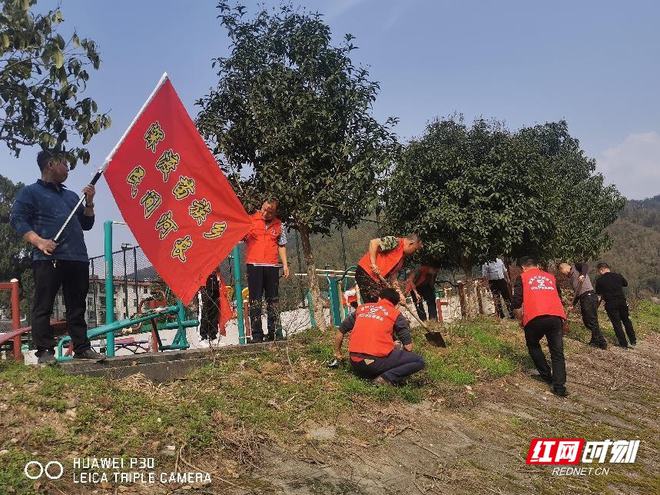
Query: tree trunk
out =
(312, 280)
(471, 305)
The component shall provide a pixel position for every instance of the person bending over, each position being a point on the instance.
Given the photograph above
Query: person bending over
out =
(371, 347)
(380, 265)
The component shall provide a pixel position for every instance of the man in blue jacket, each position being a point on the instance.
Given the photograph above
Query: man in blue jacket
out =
(37, 214)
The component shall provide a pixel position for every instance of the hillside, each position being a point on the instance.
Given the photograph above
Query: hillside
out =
(635, 250)
(278, 420)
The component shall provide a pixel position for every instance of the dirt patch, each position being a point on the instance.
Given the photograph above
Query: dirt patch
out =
(481, 447)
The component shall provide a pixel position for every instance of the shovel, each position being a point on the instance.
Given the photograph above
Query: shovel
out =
(433, 338)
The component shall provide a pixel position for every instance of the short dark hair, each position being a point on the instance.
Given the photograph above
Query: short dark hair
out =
(527, 261)
(602, 265)
(43, 158)
(390, 294)
(46, 156)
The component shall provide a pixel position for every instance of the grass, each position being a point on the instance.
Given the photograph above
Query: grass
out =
(233, 405)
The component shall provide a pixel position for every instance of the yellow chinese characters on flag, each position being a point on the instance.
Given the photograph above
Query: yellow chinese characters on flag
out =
(173, 195)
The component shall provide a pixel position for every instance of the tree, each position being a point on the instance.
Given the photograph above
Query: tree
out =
(580, 204)
(291, 118)
(14, 257)
(41, 78)
(475, 193)
(462, 189)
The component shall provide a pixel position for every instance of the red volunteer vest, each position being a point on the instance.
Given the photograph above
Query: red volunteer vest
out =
(374, 329)
(386, 261)
(540, 295)
(261, 243)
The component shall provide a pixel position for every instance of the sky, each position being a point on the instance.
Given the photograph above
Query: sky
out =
(593, 63)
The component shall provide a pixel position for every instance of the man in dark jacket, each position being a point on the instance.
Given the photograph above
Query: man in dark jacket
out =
(38, 213)
(609, 286)
(584, 294)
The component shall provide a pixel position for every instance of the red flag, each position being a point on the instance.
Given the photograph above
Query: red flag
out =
(173, 195)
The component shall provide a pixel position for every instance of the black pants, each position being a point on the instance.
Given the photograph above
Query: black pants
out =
(499, 288)
(49, 276)
(589, 310)
(264, 281)
(618, 313)
(369, 288)
(428, 295)
(550, 328)
(210, 295)
(394, 367)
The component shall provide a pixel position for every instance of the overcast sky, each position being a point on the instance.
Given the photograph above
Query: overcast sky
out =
(593, 63)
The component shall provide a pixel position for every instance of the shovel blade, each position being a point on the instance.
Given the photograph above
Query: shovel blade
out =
(435, 338)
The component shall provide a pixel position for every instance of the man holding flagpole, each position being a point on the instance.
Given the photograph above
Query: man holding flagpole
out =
(38, 212)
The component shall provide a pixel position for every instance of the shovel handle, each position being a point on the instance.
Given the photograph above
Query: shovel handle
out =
(403, 303)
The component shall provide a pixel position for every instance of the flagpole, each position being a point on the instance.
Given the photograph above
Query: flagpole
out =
(101, 169)
(163, 78)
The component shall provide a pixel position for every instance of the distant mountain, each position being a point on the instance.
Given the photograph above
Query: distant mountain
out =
(145, 274)
(635, 250)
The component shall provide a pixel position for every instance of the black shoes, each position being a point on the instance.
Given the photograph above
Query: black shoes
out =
(47, 357)
(89, 355)
(542, 378)
(560, 391)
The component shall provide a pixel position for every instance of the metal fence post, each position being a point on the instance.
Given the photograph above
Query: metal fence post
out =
(238, 290)
(109, 288)
(137, 281)
(123, 249)
(333, 292)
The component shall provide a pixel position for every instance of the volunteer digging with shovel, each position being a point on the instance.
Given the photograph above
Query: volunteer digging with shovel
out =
(379, 267)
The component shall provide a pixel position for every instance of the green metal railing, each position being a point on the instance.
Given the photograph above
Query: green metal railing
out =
(107, 331)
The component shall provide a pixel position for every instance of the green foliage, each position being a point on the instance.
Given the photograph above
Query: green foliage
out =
(580, 205)
(41, 78)
(238, 403)
(647, 315)
(291, 116)
(645, 213)
(14, 257)
(477, 192)
(462, 190)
